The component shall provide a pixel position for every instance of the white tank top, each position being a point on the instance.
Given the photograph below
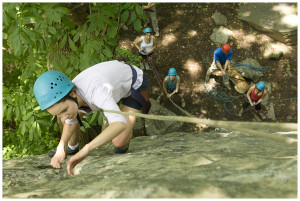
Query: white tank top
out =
(146, 46)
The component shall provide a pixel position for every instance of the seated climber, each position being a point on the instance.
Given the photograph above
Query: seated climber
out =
(255, 96)
(222, 57)
(101, 86)
(171, 86)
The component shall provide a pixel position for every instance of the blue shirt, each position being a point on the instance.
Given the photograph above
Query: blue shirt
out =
(220, 56)
(171, 85)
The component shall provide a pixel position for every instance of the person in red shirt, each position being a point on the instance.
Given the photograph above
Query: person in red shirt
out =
(255, 96)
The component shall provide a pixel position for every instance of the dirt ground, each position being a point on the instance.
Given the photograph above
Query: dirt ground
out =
(185, 29)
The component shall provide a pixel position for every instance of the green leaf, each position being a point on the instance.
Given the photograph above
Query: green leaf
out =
(137, 25)
(108, 12)
(100, 119)
(107, 52)
(112, 43)
(52, 30)
(27, 116)
(49, 17)
(132, 18)
(56, 17)
(125, 16)
(17, 113)
(72, 45)
(43, 122)
(6, 19)
(76, 37)
(26, 39)
(63, 42)
(93, 26)
(17, 46)
(102, 57)
(9, 114)
(23, 127)
(38, 129)
(9, 99)
(62, 10)
(30, 135)
(56, 127)
(93, 118)
(86, 124)
(139, 11)
(112, 31)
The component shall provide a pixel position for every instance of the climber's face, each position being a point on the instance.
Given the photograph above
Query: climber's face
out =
(172, 78)
(64, 109)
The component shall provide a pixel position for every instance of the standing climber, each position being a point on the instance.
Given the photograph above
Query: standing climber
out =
(171, 86)
(101, 86)
(150, 11)
(255, 96)
(222, 57)
(145, 44)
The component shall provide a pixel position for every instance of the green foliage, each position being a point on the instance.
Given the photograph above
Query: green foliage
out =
(127, 56)
(49, 36)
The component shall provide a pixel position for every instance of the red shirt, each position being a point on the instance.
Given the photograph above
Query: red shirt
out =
(254, 96)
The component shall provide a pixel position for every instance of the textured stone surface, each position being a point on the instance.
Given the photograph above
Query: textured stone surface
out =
(277, 20)
(273, 50)
(220, 35)
(156, 127)
(216, 164)
(219, 18)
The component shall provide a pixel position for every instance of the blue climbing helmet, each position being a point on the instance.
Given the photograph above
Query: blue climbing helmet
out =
(260, 85)
(147, 30)
(51, 87)
(172, 71)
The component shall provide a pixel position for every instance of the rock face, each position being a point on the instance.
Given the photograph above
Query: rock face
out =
(273, 50)
(219, 18)
(215, 164)
(156, 127)
(220, 35)
(277, 20)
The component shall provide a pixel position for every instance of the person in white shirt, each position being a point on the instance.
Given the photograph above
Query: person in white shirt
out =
(101, 86)
(145, 44)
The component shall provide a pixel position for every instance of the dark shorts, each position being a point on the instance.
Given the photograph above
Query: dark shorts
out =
(145, 56)
(131, 102)
(246, 104)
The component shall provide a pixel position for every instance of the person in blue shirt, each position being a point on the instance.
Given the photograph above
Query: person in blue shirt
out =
(171, 86)
(222, 57)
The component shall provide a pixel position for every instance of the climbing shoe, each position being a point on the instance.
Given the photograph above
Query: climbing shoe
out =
(68, 151)
(142, 66)
(121, 150)
(147, 66)
(182, 103)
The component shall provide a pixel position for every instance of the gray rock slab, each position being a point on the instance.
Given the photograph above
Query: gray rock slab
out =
(220, 35)
(156, 127)
(219, 18)
(215, 164)
(277, 20)
(273, 50)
